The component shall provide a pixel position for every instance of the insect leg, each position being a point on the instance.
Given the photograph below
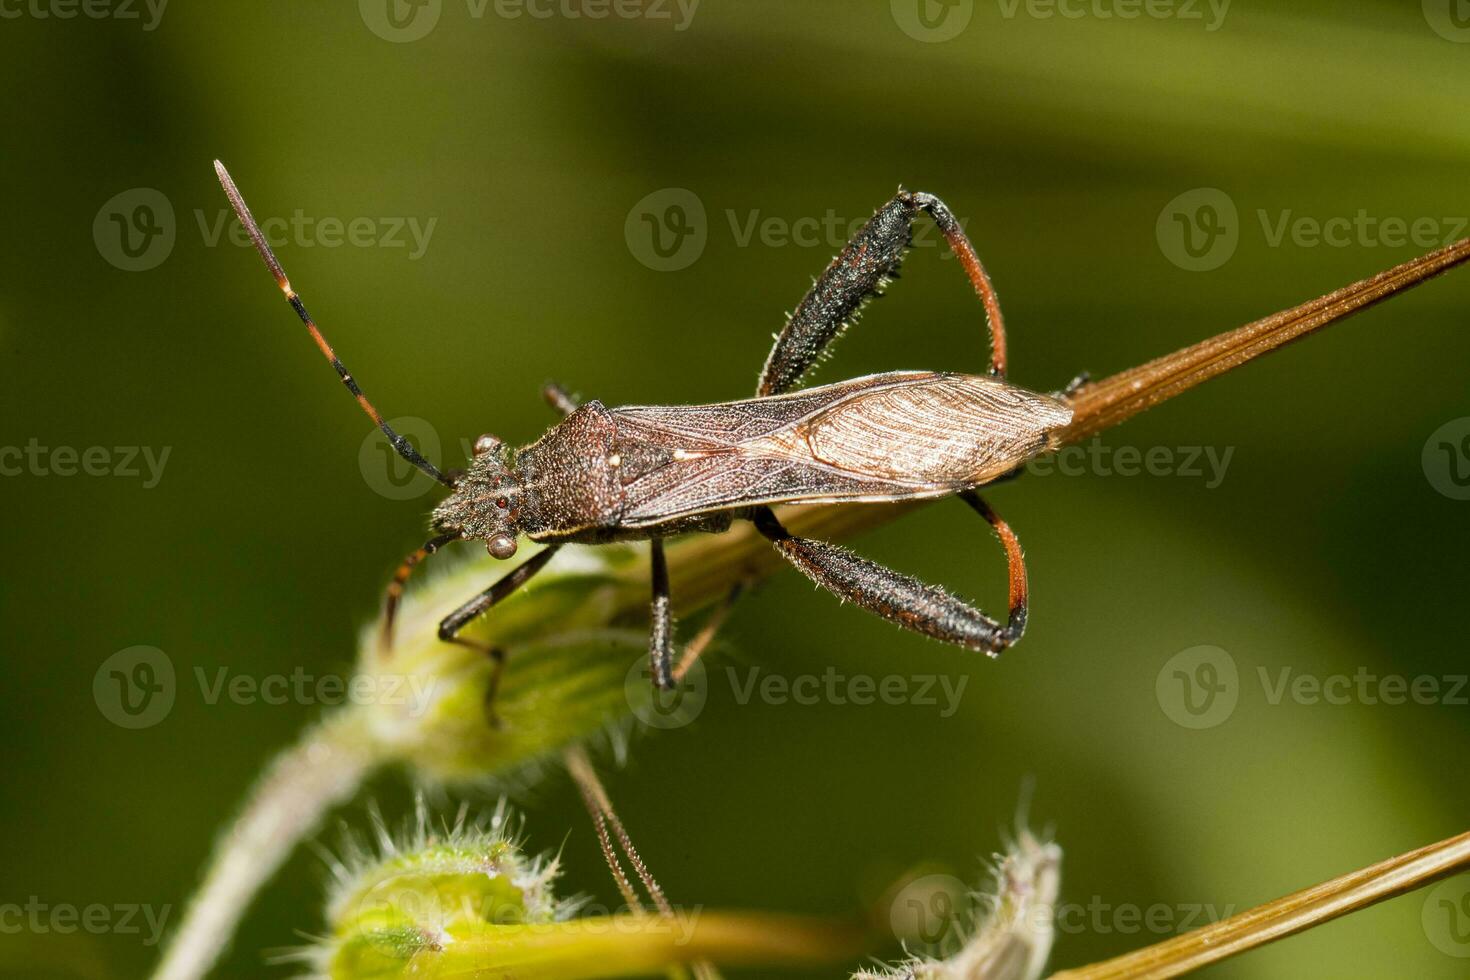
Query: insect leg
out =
(1082, 380)
(394, 593)
(557, 397)
(1019, 590)
(661, 632)
(862, 270)
(959, 244)
(902, 599)
(451, 625)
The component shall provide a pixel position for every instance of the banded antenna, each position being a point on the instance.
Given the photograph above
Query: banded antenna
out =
(399, 443)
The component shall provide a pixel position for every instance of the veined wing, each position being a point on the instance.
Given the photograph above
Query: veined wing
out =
(883, 437)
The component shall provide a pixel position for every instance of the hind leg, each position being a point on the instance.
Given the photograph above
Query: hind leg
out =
(861, 271)
(902, 599)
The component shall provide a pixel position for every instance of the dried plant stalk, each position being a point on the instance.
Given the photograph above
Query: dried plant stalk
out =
(1104, 404)
(1285, 916)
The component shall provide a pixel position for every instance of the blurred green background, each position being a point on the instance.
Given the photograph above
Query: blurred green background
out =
(532, 143)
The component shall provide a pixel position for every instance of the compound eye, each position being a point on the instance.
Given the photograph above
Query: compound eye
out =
(486, 443)
(501, 546)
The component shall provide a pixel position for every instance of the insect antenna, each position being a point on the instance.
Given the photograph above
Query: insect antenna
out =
(399, 443)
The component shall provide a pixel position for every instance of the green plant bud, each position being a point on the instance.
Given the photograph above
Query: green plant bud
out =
(467, 902)
(568, 641)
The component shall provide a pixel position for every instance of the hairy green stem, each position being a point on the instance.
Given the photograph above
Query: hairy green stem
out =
(323, 769)
(639, 946)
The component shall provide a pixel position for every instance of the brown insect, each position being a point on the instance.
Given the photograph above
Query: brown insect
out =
(614, 474)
